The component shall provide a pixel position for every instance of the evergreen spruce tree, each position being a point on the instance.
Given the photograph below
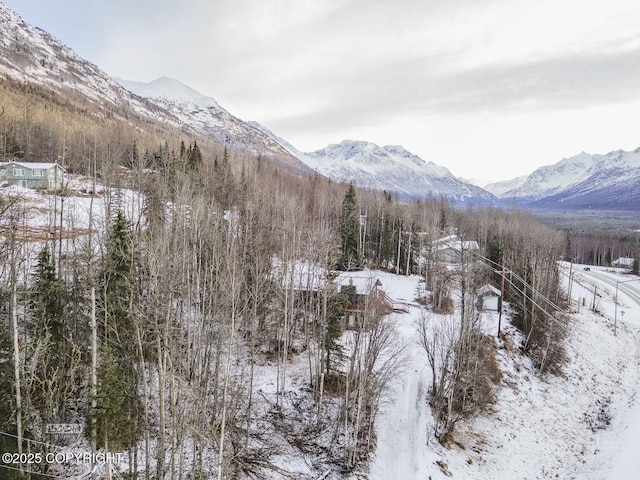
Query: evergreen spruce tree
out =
(494, 253)
(224, 182)
(131, 156)
(117, 418)
(7, 397)
(46, 302)
(443, 218)
(333, 349)
(117, 402)
(52, 358)
(194, 158)
(350, 225)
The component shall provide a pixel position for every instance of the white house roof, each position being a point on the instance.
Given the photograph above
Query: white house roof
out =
(447, 239)
(454, 243)
(489, 289)
(32, 165)
(627, 261)
(299, 275)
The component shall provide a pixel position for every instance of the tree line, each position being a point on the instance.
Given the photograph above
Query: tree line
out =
(188, 290)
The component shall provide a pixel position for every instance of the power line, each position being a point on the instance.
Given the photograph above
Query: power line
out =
(525, 285)
(30, 440)
(553, 319)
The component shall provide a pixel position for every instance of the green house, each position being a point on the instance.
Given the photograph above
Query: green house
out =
(31, 174)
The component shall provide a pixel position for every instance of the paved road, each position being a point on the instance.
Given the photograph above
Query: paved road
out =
(628, 293)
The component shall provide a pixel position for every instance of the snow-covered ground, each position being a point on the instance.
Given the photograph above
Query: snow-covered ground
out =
(402, 430)
(584, 425)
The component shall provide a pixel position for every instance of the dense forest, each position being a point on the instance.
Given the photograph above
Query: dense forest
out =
(204, 273)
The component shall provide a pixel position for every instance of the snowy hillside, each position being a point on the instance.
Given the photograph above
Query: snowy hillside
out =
(281, 141)
(28, 54)
(551, 179)
(206, 116)
(394, 169)
(171, 90)
(582, 426)
(500, 188)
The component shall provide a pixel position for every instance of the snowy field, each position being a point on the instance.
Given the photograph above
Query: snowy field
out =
(584, 425)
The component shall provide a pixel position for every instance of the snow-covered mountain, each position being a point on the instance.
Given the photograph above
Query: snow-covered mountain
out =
(611, 182)
(29, 55)
(551, 179)
(504, 186)
(608, 181)
(394, 169)
(206, 116)
(390, 168)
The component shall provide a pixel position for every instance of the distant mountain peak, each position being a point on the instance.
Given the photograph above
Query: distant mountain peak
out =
(583, 181)
(170, 89)
(394, 169)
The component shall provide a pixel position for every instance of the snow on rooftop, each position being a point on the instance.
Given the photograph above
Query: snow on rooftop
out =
(32, 165)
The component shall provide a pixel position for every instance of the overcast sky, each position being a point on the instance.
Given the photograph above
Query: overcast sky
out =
(490, 89)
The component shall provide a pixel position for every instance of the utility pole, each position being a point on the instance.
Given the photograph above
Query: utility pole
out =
(615, 318)
(363, 232)
(398, 256)
(501, 303)
(570, 282)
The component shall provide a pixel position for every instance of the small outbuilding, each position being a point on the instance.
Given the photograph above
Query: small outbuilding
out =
(489, 298)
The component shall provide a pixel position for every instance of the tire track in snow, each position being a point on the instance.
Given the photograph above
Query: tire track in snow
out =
(403, 421)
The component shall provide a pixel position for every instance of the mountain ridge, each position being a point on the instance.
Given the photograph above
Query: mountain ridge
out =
(205, 115)
(584, 181)
(612, 182)
(35, 62)
(393, 168)
(29, 55)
